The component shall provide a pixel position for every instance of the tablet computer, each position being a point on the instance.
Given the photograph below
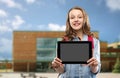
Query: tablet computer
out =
(74, 52)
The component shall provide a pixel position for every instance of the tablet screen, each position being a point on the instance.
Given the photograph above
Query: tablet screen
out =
(74, 51)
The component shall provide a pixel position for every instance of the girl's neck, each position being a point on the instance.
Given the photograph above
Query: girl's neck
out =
(80, 34)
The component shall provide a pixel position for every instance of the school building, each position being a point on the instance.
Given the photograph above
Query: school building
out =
(109, 55)
(34, 51)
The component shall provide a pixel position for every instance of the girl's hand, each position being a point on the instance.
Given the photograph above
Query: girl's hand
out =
(56, 63)
(92, 62)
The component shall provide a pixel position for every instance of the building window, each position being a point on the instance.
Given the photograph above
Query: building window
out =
(46, 51)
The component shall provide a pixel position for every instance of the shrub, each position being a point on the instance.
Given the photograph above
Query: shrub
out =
(117, 66)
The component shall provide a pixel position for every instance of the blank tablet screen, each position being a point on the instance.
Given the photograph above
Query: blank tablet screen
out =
(74, 51)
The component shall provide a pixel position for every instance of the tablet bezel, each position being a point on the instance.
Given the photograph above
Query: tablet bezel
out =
(74, 42)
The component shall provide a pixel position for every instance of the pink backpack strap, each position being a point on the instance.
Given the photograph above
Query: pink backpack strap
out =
(65, 38)
(90, 38)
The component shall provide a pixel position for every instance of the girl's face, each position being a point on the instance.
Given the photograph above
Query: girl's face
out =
(76, 19)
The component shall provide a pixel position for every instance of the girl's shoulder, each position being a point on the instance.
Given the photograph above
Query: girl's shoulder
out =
(96, 41)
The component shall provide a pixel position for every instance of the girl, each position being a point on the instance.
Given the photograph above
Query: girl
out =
(78, 29)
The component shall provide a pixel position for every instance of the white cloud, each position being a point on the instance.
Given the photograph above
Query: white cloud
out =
(114, 5)
(17, 22)
(56, 27)
(52, 27)
(42, 27)
(4, 29)
(3, 13)
(5, 26)
(30, 1)
(11, 4)
(5, 45)
(8, 25)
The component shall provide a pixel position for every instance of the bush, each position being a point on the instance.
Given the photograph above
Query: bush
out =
(117, 66)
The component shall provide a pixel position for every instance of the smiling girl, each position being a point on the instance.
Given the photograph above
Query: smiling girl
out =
(78, 29)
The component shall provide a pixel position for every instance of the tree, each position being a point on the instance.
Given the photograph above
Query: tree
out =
(117, 66)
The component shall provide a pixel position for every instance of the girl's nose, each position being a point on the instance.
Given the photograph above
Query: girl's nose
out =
(76, 20)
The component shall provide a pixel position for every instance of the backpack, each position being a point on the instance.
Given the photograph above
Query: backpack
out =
(90, 38)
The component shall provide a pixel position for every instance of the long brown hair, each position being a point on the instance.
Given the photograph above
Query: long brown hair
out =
(70, 33)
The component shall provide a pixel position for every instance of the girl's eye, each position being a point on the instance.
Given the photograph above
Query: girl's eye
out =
(79, 17)
(71, 17)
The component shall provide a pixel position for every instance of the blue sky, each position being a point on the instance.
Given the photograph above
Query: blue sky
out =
(50, 15)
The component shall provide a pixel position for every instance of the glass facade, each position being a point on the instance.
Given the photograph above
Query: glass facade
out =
(46, 51)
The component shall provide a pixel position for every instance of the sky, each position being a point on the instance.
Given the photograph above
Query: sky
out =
(50, 15)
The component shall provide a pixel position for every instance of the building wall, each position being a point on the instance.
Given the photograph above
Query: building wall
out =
(103, 46)
(24, 48)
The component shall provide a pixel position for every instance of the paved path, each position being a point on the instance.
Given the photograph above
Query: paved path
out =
(53, 75)
(108, 75)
